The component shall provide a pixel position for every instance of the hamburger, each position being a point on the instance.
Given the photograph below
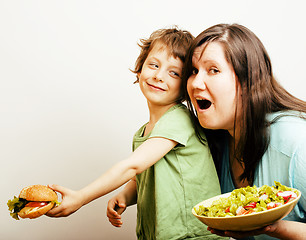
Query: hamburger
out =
(33, 201)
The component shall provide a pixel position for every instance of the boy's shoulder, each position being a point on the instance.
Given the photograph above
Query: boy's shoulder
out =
(178, 110)
(176, 120)
(177, 116)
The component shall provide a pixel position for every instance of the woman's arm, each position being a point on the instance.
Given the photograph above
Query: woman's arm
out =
(281, 229)
(141, 159)
(288, 230)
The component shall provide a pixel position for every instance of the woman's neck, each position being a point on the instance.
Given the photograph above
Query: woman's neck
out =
(236, 165)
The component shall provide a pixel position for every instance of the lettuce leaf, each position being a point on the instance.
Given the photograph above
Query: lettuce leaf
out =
(241, 197)
(56, 203)
(15, 205)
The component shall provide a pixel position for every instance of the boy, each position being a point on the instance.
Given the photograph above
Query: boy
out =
(170, 169)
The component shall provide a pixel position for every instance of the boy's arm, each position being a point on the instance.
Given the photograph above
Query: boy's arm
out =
(141, 159)
(117, 205)
(125, 198)
(130, 192)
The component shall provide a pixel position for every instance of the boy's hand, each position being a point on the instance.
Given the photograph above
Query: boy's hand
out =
(71, 202)
(115, 207)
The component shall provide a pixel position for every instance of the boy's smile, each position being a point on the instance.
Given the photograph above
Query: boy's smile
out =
(155, 87)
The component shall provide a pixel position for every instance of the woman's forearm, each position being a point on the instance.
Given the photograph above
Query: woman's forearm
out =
(288, 230)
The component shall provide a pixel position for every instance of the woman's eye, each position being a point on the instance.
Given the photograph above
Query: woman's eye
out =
(213, 70)
(195, 71)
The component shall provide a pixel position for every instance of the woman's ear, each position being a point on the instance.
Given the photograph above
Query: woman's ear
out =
(238, 86)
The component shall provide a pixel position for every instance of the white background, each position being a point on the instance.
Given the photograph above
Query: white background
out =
(68, 106)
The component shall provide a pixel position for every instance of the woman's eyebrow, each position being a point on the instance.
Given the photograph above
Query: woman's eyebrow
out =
(204, 61)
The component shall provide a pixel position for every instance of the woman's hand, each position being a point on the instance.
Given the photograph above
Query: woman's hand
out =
(238, 234)
(281, 229)
(115, 207)
(71, 202)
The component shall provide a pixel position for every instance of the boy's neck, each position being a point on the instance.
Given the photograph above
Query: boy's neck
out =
(156, 112)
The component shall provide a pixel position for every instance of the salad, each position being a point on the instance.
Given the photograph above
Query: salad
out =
(249, 200)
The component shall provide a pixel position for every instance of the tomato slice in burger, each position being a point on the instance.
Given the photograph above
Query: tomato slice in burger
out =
(37, 204)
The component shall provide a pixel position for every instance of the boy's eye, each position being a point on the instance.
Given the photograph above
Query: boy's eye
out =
(154, 65)
(173, 73)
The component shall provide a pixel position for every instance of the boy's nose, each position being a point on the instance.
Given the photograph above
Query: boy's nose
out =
(158, 76)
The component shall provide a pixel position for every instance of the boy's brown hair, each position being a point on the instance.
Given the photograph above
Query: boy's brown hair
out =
(176, 41)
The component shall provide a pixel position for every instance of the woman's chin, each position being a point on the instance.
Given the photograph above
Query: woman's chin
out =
(207, 124)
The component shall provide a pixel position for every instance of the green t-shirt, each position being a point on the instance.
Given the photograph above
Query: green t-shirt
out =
(169, 189)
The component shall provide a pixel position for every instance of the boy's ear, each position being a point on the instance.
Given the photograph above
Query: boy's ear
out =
(138, 74)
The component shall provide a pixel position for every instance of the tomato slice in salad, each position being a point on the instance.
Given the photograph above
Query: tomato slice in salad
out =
(36, 204)
(251, 205)
(287, 195)
(249, 200)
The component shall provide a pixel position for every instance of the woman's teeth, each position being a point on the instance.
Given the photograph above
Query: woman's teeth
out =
(203, 103)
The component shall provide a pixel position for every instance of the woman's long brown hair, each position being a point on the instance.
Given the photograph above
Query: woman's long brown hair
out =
(261, 93)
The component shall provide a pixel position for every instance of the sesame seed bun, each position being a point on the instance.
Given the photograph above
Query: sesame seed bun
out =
(38, 193)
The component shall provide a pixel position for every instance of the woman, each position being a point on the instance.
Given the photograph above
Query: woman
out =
(256, 129)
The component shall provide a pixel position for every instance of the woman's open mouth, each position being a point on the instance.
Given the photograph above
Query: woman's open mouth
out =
(203, 104)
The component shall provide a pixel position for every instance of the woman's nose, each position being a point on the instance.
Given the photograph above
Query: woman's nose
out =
(197, 82)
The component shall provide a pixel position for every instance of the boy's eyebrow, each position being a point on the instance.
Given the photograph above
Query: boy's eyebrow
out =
(172, 65)
(152, 57)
